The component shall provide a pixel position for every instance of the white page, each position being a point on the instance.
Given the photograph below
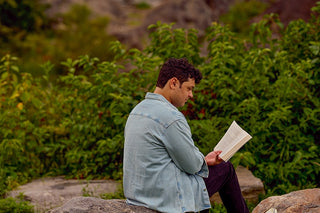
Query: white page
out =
(232, 141)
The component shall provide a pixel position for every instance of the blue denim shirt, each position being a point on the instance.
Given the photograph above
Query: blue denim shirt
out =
(163, 169)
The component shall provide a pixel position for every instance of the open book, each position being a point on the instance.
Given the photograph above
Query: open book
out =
(232, 141)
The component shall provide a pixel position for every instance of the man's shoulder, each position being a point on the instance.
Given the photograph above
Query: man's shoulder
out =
(159, 111)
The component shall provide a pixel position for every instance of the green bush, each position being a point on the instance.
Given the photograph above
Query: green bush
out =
(27, 15)
(272, 92)
(76, 32)
(11, 205)
(241, 13)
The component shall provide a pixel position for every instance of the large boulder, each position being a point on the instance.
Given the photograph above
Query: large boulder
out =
(184, 13)
(52, 192)
(97, 205)
(304, 201)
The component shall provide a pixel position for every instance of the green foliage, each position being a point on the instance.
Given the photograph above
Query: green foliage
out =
(20, 119)
(240, 13)
(262, 34)
(175, 43)
(272, 91)
(119, 194)
(142, 5)
(218, 208)
(75, 127)
(79, 27)
(68, 35)
(20, 15)
(11, 205)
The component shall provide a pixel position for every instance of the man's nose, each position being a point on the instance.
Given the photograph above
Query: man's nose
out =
(190, 94)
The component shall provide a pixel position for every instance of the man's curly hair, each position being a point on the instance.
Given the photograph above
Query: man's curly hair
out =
(179, 68)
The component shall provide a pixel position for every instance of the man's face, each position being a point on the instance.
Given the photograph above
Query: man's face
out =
(183, 92)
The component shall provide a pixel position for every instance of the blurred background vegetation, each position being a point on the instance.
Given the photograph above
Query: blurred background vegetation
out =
(26, 32)
(67, 87)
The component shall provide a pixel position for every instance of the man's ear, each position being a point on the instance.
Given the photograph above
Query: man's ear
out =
(173, 82)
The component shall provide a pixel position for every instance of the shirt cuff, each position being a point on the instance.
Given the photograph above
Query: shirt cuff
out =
(204, 172)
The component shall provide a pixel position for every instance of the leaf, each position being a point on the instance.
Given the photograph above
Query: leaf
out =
(315, 48)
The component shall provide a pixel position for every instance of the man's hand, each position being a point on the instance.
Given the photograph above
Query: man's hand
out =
(213, 158)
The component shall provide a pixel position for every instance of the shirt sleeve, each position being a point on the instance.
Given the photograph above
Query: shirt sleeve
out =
(181, 148)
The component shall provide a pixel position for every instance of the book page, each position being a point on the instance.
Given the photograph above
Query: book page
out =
(232, 141)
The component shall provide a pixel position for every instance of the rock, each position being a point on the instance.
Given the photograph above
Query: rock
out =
(110, 8)
(97, 205)
(251, 187)
(303, 201)
(285, 10)
(184, 13)
(48, 193)
(197, 14)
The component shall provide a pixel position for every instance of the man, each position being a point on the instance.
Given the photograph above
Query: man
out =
(163, 169)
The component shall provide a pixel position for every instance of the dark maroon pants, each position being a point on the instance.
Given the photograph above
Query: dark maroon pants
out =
(223, 179)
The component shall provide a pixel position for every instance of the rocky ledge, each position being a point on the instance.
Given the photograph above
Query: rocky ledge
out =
(304, 201)
(49, 193)
(97, 205)
(58, 195)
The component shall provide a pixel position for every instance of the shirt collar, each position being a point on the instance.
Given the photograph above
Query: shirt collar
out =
(159, 97)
